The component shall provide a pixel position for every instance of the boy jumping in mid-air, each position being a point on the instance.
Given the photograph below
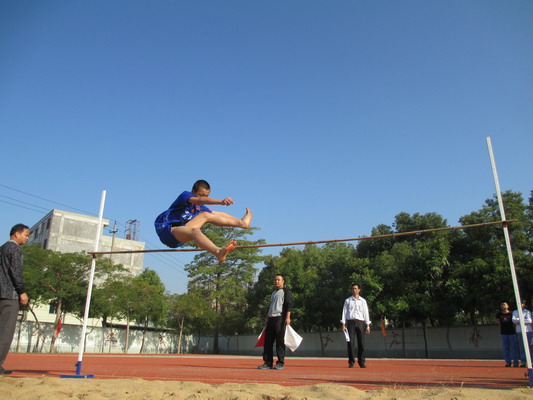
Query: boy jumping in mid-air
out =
(183, 221)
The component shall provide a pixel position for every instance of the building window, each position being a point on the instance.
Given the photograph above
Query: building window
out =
(45, 244)
(48, 223)
(52, 309)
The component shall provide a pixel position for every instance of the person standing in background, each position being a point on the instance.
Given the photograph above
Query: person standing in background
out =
(527, 322)
(356, 320)
(279, 316)
(12, 291)
(507, 330)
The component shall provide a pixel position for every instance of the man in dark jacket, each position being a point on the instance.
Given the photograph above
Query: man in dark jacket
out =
(12, 291)
(279, 316)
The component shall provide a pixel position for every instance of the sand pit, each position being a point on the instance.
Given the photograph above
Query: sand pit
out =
(139, 389)
(154, 377)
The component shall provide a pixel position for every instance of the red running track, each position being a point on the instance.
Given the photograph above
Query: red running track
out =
(390, 373)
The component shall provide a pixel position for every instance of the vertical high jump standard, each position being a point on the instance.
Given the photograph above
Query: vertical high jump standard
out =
(89, 294)
(511, 263)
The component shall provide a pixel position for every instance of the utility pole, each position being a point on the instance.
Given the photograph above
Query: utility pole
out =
(114, 232)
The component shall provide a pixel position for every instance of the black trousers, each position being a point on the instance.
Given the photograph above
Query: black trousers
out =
(356, 330)
(9, 310)
(274, 332)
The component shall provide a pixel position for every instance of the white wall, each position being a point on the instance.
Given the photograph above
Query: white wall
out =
(470, 342)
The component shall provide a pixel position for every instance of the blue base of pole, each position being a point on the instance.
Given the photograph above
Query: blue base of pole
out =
(78, 373)
(530, 376)
(77, 376)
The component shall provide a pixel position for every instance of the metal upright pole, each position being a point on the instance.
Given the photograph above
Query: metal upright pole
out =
(511, 262)
(89, 294)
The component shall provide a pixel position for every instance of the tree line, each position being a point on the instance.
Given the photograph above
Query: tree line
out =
(443, 278)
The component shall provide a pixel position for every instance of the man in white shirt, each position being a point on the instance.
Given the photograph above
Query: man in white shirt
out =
(356, 320)
(529, 329)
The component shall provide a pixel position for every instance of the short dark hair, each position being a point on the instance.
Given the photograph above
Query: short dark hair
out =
(355, 284)
(18, 229)
(282, 277)
(199, 184)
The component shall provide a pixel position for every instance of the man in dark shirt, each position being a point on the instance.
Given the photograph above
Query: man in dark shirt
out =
(12, 291)
(507, 330)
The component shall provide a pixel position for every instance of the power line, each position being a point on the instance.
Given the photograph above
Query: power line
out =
(20, 201)
(51, 201)
(18, 205)
(168, 260)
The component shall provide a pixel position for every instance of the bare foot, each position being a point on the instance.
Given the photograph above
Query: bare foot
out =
(221, 257)
(247, 219)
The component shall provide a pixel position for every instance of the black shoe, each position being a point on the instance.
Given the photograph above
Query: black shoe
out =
(515, 364)
(264, 366)
(5, 372)
(350, 365)
(278, 366)
(507, 365)
(362, 365)
(523, 365)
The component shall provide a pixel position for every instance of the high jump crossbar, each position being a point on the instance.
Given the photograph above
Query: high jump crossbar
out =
(360, 238)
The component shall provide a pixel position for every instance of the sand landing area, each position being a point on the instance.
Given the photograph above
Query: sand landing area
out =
(151, 377)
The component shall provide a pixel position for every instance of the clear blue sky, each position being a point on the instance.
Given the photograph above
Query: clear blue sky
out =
(326, 118)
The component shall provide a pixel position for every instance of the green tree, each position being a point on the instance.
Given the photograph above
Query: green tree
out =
(334, 274)
(482, 276)
(431, 278)
(224, 285)
(61, 279)
(300, 269)
(122, 298)
(406, 276)
(151, 305)
(319, 279)
(189, 313)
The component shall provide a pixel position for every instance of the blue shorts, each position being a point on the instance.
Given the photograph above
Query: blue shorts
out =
(164, 231)
(168, 219)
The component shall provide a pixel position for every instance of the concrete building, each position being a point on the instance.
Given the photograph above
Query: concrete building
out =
(68, 232)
